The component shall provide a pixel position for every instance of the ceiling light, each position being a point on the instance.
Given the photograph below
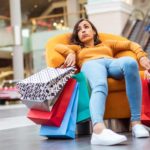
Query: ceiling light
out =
(54, 24)
(62, 21)
(35, 6)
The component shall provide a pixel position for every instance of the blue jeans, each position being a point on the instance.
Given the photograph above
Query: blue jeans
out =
(98, 70)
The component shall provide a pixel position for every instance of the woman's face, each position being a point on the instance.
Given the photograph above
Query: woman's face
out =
(85, 32)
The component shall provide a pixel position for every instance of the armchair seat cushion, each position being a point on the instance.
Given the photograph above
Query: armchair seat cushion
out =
(119, 85)
(116, 85)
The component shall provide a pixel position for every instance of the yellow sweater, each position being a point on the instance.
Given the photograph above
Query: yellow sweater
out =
(106, 49)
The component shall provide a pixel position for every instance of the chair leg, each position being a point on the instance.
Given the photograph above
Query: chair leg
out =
(84, 128)
(118, 125)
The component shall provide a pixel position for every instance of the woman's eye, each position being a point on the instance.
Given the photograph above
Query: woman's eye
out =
(86, 27)
(78, 30)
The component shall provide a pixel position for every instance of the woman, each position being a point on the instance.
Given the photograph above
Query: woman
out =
(95, 58)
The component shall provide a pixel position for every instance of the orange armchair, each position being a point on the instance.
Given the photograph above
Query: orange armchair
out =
(117, 106)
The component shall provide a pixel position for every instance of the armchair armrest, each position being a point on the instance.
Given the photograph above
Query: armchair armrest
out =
(54, 59)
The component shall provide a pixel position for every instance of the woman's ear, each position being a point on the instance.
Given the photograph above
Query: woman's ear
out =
(94, 32)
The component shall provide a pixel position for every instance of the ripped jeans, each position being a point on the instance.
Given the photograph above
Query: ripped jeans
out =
(98, 70)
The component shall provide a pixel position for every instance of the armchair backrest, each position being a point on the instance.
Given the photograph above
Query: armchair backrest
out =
(54, 59)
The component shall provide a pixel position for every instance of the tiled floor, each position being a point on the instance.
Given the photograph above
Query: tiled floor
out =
(19, 133)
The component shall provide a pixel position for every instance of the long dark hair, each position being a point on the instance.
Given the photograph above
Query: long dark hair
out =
(75, 39)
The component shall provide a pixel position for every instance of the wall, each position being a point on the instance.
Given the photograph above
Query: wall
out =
(109, 16)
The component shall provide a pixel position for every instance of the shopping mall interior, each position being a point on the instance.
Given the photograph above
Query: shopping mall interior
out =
(25, 28)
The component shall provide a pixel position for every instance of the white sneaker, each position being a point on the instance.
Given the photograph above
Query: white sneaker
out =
(139, 131)
(107, 137)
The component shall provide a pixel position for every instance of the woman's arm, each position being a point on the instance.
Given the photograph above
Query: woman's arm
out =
(126, 45)
(129, 45)
(63, 49)
(69, 52)
(145, 62)
(66, 49)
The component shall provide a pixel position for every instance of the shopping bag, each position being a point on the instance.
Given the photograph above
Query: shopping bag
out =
(41, 89)
(145, 113)
(68, 126)
(83, 112)
(55, 116)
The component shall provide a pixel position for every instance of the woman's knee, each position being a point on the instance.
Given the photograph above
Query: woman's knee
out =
(130, 64)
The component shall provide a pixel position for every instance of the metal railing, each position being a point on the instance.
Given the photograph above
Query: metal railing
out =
(136, 16)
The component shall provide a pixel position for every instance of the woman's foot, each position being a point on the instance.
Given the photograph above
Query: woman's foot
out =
(107, 137)
(99, 127)
(103, 136)
(139, 131)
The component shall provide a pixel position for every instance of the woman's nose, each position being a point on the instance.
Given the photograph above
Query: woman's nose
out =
(83, 31)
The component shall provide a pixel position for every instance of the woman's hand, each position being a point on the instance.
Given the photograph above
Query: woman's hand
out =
(146, 74)
(70, 60)
(145, 62)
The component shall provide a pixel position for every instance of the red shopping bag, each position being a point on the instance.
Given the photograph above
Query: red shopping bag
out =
(145, 113)
(56, 115)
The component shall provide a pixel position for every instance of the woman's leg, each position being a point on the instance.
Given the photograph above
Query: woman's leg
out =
(96, 74)
(128, 67)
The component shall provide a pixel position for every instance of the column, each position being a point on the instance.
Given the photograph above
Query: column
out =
(15, 13)
(109, 16)
(73, 12)
(65, 16)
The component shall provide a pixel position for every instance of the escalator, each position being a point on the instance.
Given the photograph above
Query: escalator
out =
(135, 30)
(143, 37)
(147, 43)
(138, 30)
(133, 25)
(143, 33)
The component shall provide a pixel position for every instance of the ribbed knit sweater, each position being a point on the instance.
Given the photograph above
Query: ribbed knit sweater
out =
(106, 49)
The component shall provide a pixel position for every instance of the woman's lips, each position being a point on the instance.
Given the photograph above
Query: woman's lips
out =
(84, 36)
